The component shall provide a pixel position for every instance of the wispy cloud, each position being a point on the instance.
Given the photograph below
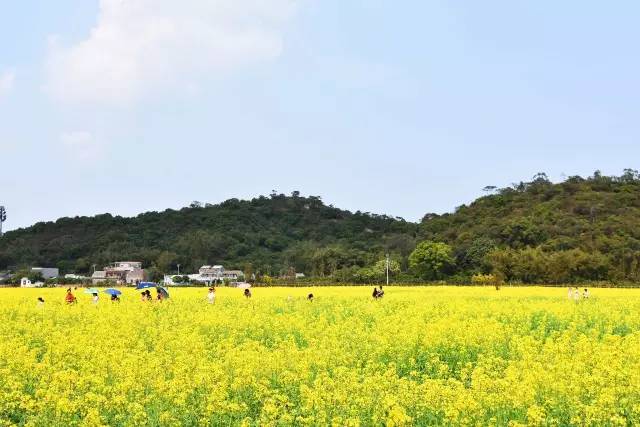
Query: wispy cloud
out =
(137, 48)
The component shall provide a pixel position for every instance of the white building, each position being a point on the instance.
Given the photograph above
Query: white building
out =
(233, 275)
(47, 273)
(169, 279)
(75, 277)
(123, 272)
(98, 277)
(26, 283)
(210, 273)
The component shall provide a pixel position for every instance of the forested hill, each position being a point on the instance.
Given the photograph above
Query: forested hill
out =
(269, 235)
(583, 229)
(580, 229)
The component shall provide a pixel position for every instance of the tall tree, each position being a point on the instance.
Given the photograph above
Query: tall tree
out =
(431, 260)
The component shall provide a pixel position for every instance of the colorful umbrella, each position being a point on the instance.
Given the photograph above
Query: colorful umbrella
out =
(112, 292)
(163, 291)
(146, 285)
(91, 291)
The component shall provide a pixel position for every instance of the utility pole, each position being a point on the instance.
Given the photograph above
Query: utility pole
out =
(3, 217)
(178, 269)
(387, 269)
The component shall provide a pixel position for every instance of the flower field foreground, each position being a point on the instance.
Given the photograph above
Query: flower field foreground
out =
(419, 356)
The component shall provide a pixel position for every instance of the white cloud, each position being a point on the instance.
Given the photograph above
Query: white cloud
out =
(141, 46)
(7, 80)
(81, 146)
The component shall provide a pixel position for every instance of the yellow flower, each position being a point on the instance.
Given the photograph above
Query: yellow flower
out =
(422, 356)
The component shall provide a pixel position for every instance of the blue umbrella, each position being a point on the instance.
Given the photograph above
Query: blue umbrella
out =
(146, 285)
(111, 291)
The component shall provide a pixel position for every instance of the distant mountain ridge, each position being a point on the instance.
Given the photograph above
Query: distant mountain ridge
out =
(583, 229)
(586, 228)
(270, 234)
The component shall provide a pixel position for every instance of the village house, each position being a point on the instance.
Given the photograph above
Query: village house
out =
(26, 283)
(123, 272)
(209, 274)
(233, 275)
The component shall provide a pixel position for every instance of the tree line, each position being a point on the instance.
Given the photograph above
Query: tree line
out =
(581, 229)
(269, 236)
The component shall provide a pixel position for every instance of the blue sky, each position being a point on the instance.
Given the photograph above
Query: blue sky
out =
(402, 108)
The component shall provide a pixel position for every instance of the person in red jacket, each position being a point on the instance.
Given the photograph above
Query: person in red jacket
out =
(70, 298)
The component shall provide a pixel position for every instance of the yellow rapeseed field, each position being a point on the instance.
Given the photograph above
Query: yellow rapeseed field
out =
(420, 356)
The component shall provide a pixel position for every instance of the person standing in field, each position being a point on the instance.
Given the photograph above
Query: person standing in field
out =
(310, 297)
(375, 294)
(70, 298)
(115, 298)
(570, 293)
(576, 295)
(585, 294)
(95, 298)
(247, 293)
(211, 296)
(40, 301)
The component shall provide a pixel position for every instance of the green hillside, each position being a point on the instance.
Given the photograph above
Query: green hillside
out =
(268, 235)
(583, 229)
(580, 229)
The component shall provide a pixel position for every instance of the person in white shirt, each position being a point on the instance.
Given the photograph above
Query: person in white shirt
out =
(585, 294)
(576, 295)
(95, 298)
(211, 296)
